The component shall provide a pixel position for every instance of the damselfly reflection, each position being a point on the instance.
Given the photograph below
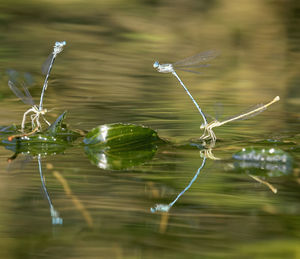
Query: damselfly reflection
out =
(37, 111)
(167, 207)
(20, 164)
(56, 220)
(195, 61)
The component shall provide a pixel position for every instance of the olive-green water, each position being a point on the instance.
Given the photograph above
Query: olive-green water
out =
(105, 75)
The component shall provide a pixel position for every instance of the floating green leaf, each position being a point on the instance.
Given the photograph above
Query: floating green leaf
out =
(118, 136)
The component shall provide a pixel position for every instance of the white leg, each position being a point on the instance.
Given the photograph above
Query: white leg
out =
(37, 119)
(32, 117)
(35, 122)
(204, 134)
(24, 118)
(213, 136)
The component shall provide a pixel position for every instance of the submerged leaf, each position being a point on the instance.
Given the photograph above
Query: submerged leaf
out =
(272, 155)
(121, 136)
(270, 162)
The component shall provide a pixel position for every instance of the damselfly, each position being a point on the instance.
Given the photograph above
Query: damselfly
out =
(47, 66)
(27, 99)
(37, 111)
(198, 60)
(208, 128)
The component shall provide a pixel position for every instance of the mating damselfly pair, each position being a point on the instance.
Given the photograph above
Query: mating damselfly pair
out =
(200, 60)
(37, 110)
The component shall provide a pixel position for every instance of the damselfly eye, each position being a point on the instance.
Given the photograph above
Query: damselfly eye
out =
(60, 43)
(155, 64)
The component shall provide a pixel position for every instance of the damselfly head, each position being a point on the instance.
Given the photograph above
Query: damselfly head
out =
(60, 43)
(156, 64)
(58, 47)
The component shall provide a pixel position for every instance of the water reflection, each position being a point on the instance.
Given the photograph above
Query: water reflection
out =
(13, 164)
(274, 162)
(105, 207)
(204, 154)
(110, 159)
(56, 220)
(106, 77)
(262, 163)
(167, 207)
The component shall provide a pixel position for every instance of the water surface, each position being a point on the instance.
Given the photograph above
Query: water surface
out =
(105, 75)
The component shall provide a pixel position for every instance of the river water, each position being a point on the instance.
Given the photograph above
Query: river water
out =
(105, 75)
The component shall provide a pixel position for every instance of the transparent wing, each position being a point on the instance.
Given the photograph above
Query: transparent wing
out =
(25, 99)
(193, 66)
(187, 70)
(28, 95)
(248, 113)
(16, 77)
(210, 116)
(28, 79)
(196, 59)
(47, 64)
(13, 75)
(58, 47)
